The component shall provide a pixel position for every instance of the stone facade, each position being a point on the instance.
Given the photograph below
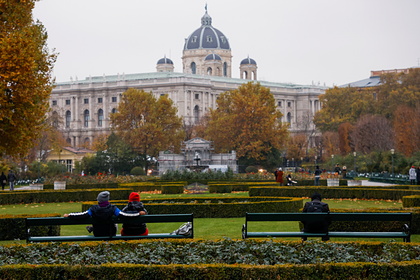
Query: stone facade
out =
(193, 150)
(84, 106)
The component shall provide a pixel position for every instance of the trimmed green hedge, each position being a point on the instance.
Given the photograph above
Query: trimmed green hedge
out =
(215, 207)
(339, 271)
(334, 192)
(13, 227)
(411, 201)
(45, 196)
(224, 259)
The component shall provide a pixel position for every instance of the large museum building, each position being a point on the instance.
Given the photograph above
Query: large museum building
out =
(84, 106)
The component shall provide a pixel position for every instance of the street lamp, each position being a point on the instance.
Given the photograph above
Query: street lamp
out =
(332, 163)
(392, 158)
(316, 157)
(354, 161)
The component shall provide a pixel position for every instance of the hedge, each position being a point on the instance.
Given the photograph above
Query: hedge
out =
(45, 196)
(13, 227)
(215, 207)
(397, 270)
(334, 192)
(411, 201)
(223, 259)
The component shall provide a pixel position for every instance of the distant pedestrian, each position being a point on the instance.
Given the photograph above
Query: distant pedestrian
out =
(3, 180)
(279, 176)
(418, 175)
(317, 175)
(412, 175)
(11, 178)
(337, 169)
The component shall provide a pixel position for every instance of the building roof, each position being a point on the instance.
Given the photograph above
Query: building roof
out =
(248, 61)
(213, 56)
(370, 82)
(206, 37)
(155, 76)
(165, 60)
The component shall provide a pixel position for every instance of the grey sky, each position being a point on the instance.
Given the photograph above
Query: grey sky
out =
(298, 41)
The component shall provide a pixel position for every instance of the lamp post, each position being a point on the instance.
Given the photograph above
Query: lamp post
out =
(354, 161)
(392, 160)
(316, 157)
(332, 163)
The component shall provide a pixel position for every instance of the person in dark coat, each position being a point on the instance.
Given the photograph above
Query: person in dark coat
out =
(11, 178)
(102, 215)
(418, 175)
(317, 173)
(3, 180)
(315, 205)
(134, 206)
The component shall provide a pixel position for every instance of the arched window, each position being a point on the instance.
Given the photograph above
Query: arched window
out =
(68, 140)
(245, 75)
(100, 117)
(114, 110)
(193, 68)
(289, 117)
(209, 71)
(225, 69)
(68, 118)
(86, 118)
(196, 114)
(86, 142)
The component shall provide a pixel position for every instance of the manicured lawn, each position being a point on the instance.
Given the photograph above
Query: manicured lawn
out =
(205, 228)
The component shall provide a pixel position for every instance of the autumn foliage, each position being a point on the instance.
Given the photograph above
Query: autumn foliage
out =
(377, 118)
(246, 120)
(25, 77)
(148, 124)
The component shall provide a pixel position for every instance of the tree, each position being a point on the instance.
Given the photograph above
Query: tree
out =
(344, 131)
(372, 133)
(25, 77)
(407, 129)
(149, 125)
(246, 120)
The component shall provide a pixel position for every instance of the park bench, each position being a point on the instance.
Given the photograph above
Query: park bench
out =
(405, 233)
(51, 221)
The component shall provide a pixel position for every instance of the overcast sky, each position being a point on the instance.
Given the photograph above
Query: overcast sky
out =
(299, 41)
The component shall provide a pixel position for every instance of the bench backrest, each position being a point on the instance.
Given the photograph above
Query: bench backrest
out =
(260, 217)
(166, 218)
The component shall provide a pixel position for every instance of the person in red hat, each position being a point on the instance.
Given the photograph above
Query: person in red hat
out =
(134, 206)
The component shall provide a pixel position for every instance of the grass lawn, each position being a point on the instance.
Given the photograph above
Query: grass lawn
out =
(205, 228)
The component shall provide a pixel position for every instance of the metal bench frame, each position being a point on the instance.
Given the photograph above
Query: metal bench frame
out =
(405, 233)
(164, 218)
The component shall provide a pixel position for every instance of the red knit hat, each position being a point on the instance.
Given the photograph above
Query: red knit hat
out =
(134, 197)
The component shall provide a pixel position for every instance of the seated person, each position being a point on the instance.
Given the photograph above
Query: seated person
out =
(315, 205)
(134, 206)
(290, 181)
(102, 214)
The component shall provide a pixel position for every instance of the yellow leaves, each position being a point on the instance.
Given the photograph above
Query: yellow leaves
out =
(148, 124)
(247, 121)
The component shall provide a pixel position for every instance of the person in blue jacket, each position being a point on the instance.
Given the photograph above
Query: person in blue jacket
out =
(102, 216)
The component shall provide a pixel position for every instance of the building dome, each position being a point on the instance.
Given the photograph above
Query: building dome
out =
(248, 61)
(206, 37)
(165, 60)
(213, 56)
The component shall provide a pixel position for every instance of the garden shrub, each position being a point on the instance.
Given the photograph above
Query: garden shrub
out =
(13, 227)
(251, 169)
(411, 201)
(138, 170)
